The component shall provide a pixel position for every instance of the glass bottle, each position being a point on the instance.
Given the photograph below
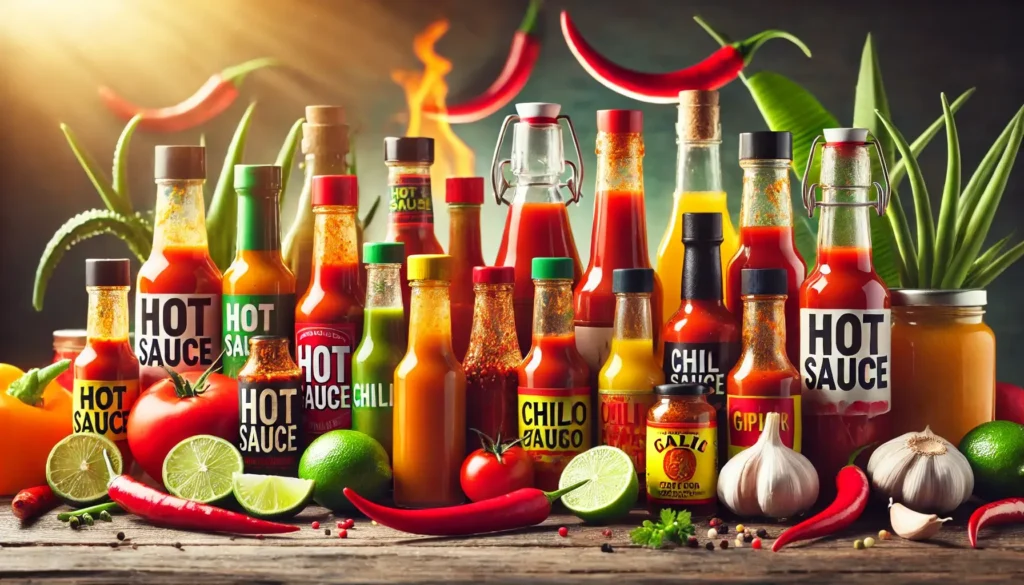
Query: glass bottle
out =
(329, 316)
(465, 196)
(430, 395)
(270, 408)
(698, 188)
(178, 295)
(259, 290)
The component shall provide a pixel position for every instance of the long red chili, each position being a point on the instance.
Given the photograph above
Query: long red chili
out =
(173, 512)
(521, 58)
(718, 69)
(519, 509)
(1008, 511)
(212, 98)
(33, 502)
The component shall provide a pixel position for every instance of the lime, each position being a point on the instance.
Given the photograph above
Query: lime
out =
(200, 467)
(612, 488)
(76, 471)
(271, 496)
(346, 459)
(995, 451)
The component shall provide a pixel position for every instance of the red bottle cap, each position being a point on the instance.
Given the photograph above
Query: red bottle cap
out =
(619, 121)
(335, 190)
(494, 275)
(468, 190)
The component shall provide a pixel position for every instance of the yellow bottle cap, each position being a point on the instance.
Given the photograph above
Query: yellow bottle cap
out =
(430, 267)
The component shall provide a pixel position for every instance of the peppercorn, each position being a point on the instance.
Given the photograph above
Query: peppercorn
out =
(884, 535)
(858, 544)
(327, 531)
(563, 532)
(374, 522)
(178, 546)
(315, 525)
(710, 546)
(607, 533)
(723, 529)
(869, 542)
(607, 548)
(748, 537)
(714, 522)
(712, 533)
(724, 544)
(691, 541)
(343, 533)
(120, 535)
(88, 519)
(738, 542)
(756, 545)
(762, 533)
(105, 516)
(740, 528)
(350, 523)
(75, 522)
(341, 524)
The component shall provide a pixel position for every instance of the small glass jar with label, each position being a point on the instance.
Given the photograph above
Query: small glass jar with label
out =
(270, 408)
(682, 450)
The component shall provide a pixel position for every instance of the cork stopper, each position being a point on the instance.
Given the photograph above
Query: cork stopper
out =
(698, 116)
(325, 131)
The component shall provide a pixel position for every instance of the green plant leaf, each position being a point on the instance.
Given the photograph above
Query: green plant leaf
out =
(985, 276)
(806, 238)
(370, 213)
(898, 171)
(120, 168)
(81, 227)
(870, 96)
(989, 256)
(286, 157)
(945, 234)
(907, 257)
(99, 180)
(221, 220)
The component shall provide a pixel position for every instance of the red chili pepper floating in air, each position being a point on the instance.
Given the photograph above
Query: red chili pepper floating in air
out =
(215, 96)
(720, 68)
(33, 502)
(518, 66)
(519, 509)
(1008, 511)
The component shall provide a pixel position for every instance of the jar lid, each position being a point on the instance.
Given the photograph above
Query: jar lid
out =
(833, 135)
(179, 162)
(702, 227)
(494, 275)
(409, 149)
(620, 121)
(258, 177)
(336, 190)
(429, 267)
(465, 190)
(70, 336)
(764, 281)
(766, 146)
(681, 390)
(552, 268)
(911, 297)
(384, 253)
(633, 280)
(107, 272)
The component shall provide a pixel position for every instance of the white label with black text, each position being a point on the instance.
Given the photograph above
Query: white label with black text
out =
(181, 332)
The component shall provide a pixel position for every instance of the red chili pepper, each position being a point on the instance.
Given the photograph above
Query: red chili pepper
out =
(212, 98)
(519, 509)
(720, 68)
(1005, 511)
(521, 58)
(33, 502)
(173, 512)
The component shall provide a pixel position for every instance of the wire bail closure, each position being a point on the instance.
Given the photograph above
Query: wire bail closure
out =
(500, 184)
(883, 193)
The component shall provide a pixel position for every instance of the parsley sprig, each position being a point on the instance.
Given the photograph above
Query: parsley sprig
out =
(670, 527)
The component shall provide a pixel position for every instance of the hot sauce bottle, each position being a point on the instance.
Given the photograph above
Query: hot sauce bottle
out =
(329, 317)
(106, 382)
(625, 385)
(844, 312)
(764, 380)
(702, 340)
(430, 395)
(619, 237)
(177, 301)
(537, 224)
(464, 196)
(554, 392)
(492, 362)
(259, 290)
(270, 408)
(682, 451)
(766, 226)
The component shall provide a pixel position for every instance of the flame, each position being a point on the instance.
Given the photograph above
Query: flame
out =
(452, 158)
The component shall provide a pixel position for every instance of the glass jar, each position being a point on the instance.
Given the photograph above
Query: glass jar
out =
(67, 344)
(943, 362)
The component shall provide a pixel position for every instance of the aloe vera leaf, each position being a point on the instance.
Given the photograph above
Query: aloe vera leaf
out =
(985, 211)
(286, 157)
(985, 276)
(120, 168)
(945, 234)
(988, 256)
(370, 213)
(92, 170)
(898, 171)
(81, 227)
(904, 240)
(221, 220)
(870, 96)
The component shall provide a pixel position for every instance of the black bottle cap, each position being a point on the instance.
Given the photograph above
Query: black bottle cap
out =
(681, 390)
(108, 272)
(764, 281)
(633, 280)
(702, 227)
(766, 145)
(179, 163)
(409, 149)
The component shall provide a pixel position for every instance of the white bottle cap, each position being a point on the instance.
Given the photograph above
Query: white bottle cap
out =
(530, 110)
(846, 134)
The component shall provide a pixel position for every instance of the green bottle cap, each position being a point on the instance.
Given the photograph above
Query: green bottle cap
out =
(384, 253)
(552, 268)
(258, 177)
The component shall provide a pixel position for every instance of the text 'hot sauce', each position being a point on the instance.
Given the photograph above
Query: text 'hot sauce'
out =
(465, 196)
(554, 393)
(178, 297)
(106, 382)
(270, 408)
(329, 317)
(682, 450)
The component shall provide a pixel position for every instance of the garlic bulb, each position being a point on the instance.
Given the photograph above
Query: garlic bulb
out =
(914, 525)
(922, 470)
(768, 478)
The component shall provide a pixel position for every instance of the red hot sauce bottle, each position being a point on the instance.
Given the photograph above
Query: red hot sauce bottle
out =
(465, 196)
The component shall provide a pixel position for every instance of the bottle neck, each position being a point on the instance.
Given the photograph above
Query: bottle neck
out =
(108, 312)
(537, 162)
(702, 271)
(464, 231)
(766, 194)
(699, 168)
(552, 308)
(259, 226)
(845, 180)
(633, 316)
(180, 215)
(620, 162)
(335, 245)
(269, 357)
(384, 286)
(764, 332)
(411, 196)
(494, 326)
(430, 322)
(326, 163)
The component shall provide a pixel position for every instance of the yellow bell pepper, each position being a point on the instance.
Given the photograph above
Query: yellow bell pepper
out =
(35, 414)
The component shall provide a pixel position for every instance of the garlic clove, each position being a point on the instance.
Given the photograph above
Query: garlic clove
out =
(913, 525)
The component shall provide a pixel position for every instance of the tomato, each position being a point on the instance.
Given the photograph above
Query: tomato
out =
(178, 407)
(495, 469)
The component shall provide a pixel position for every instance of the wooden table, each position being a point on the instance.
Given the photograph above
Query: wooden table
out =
(49, 549)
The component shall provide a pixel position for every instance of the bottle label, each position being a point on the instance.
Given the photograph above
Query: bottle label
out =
(701, 363)
(181, 332)
(594, 344)
(102, 407)
(747, 415)
(845, 361)
(247, 316)
(412, 201)
(324, 352)
(554, 422)
(373, 395)
(268, 433)
(682, 463)
(623, 424)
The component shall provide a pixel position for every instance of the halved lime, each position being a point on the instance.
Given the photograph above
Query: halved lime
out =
(200, 468)
(76, 471)
(272, 496)
(612, 488)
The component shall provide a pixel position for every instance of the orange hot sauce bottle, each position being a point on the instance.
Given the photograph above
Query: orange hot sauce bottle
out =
(465, 196)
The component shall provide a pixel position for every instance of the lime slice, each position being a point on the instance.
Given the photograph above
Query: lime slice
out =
(200, 467)
(76, 471)
(612, 488)
(272, 496)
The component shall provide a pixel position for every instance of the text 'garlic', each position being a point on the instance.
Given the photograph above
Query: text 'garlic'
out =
(923, 471)
(768, 478)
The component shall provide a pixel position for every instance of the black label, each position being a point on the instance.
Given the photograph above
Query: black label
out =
(270, 415)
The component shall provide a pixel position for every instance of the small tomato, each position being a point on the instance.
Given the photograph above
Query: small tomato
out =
(495, 469)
